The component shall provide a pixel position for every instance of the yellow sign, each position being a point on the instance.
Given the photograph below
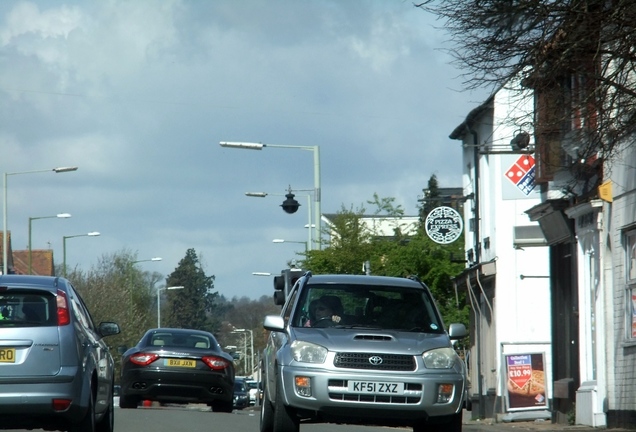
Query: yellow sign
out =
(7, 355)
(180, 363)
(605, 191)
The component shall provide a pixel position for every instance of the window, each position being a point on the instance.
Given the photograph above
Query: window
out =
(630, 266)
(27, 308)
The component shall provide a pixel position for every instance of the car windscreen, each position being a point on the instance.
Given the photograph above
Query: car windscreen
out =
(27, 308)
(378, 307)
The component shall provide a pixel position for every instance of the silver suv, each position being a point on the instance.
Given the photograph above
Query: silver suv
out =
(55, 370)
(361, 350)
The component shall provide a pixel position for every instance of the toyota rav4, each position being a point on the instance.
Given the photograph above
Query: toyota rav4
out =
(361, 350)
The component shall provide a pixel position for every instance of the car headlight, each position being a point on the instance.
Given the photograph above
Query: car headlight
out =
(440, 358)
(308, 352)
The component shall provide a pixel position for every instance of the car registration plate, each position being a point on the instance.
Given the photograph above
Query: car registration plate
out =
(179, 363)
(7, 355)
(375, 387)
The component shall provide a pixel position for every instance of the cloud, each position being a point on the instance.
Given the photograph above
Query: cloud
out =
(139, 94)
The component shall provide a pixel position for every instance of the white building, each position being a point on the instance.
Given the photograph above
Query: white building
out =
(507, 275)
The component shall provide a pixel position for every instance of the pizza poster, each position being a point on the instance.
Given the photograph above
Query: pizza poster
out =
(525, 377)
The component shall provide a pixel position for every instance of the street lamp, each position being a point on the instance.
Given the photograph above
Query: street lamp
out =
(317, 191)
(159, 301)
(132, 263)
(309, 235)
(59, 215)
(90, 234)
(290, 241)
(5, 269)
(251, 346)
(261, 274)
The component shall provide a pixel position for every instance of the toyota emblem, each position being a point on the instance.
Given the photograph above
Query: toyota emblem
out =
(375, 360)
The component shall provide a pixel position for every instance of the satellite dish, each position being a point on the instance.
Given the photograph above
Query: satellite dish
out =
(521, 140)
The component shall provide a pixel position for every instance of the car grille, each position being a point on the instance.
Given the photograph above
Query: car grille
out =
(414, 397)
(387, 362)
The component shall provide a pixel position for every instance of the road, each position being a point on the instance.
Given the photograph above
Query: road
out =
(198, 418)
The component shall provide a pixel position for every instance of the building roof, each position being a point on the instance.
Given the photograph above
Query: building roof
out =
(41, 262)
(384, 226)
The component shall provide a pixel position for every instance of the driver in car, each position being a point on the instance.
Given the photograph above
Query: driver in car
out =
(323, 310)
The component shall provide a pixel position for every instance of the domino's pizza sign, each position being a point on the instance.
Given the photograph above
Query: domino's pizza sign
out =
(522, 173)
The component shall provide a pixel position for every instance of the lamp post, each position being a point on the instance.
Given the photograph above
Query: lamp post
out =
(132, 263)
(5, 269)
(251, 346)
(59, 215)
(290, 241)
(90, 234)
(309, 235)
(159, 301)
(317, 191)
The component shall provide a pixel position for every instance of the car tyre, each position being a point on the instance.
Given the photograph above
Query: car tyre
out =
(87, 423)
(453, 425)
(222, 406)
(285, 419)
(267, 414)
(128, 402)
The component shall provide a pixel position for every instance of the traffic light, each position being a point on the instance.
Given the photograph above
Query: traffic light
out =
(284, 283)
(279, 289)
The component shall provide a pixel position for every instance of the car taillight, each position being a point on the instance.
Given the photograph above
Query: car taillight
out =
(215, 363)
(143, 359)
(63, 315)
(61, 404)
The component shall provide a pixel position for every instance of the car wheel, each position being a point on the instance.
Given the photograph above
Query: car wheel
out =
(285, 419)
(453, 425)
(107, 422)
(87, 423)
(267, 414)
(222, 406)
(128, 402)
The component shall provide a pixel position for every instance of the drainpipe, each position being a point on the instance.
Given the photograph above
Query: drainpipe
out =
(477, 240)
(477, 248)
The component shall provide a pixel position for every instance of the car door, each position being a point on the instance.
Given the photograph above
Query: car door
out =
(277, 340)
(95, 353)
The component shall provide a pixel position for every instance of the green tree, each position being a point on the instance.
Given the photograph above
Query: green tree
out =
(400, 256)
(431, 198)
(116, 290)
(190, 307)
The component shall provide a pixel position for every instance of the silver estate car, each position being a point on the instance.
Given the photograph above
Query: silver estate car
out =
(56, 371)
(359, 349)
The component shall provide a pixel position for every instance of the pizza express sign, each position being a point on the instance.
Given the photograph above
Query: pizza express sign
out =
(444, 225)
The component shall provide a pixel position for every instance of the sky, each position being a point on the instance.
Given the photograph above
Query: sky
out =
(139, 94)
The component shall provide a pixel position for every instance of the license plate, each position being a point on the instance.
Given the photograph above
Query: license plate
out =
(375, 387)
(7, 355)
(180, 363)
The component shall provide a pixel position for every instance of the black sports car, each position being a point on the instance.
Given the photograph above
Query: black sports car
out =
(177, 366)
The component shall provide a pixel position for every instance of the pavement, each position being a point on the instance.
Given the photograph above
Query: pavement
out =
(538, 424)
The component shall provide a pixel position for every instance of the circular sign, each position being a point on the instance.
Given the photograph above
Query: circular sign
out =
(444, 225)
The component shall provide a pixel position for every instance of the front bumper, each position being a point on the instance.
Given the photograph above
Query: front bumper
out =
(330, 396)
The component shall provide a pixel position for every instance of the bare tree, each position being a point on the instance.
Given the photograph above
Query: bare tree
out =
(577, 55)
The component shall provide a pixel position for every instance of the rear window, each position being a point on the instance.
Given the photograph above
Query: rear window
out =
(171, 339)
(27, 309)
